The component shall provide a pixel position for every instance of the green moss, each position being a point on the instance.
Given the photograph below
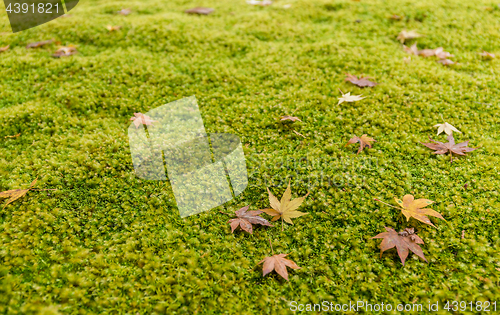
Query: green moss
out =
(107, 242)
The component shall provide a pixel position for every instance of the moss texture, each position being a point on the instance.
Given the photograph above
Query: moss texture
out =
(107, 242)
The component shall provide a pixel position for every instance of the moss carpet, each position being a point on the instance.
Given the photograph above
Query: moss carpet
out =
(106, 242)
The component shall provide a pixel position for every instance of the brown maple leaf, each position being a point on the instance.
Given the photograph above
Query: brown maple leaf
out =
(2, 49)
(279, 264)
(446, 62)
(290, 118)
(142, 119)
(364, 141)
(39, 44)
(16, 193)
(200, 10)
(361, 82)
(285, 209)
(404, 35)
(65, 51)
(449, 147)
(246, 218)
(404, 242)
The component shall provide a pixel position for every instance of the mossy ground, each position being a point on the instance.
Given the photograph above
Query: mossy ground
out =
(107, 242)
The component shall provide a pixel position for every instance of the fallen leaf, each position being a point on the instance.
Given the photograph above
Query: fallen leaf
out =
(297, 133)
(246, 218)
(16, 193)
(279, 264)
(486, 55)
(113, 28)
(396, 17)
(261, 3)
(287, 6)
(441, 54)
(463, 234)
(404, 242)
(449, 147)
(446, 62)
(364, 141)
(200, 10)
(2, 49)
(142, 119)
(285, 209)
(65, 51)
(411, 50)
(412, 208)
(349, 98)
(39, 44)
(291, 118)
(361, 82)
(404, 35)
(15, 136)
(447, 128)
(407, 59)
(124, 11)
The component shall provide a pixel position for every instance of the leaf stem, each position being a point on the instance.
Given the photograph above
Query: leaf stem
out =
(41, 189)
(386, 203)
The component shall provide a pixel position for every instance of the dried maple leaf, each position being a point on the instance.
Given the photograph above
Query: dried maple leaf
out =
(16, 193)
(285, 209)
(361, 82)
(404, 35)
(411, 50)
(412, 208)
(279, 264)
(487, 55)
(39, 44)
(441, 54)
(450, 146)
(291, 118)
(124, 11)
(65, 51)
(446, 62)
(2, 49)
(262, 3)
(447, 128)
(200, 10)
(364, 141)
(349, 98)
(245, 219)
(113, 28)
(404, 242)
(142, 119)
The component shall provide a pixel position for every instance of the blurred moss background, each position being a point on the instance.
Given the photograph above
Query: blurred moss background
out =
(107, 242)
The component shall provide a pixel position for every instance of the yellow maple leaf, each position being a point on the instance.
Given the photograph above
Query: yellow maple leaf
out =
(285, 209)
(412, 208)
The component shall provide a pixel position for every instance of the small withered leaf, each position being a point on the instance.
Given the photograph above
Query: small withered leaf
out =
(447, 128)
(277, 263)
(364, 142)
(404, 242)
(290, 118)
(262, 3)
(112, 28)
(412, 208)
(124, 11)
(39, 44)
(245, 219)
(404, 35)
(5, 48)
(487, 55)
(446, 62)
(349, 98)
(65, 51)
(200, 10)
(396, 17)
(361, 82)
(140, 118)
(449, 147)
(16, 193)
